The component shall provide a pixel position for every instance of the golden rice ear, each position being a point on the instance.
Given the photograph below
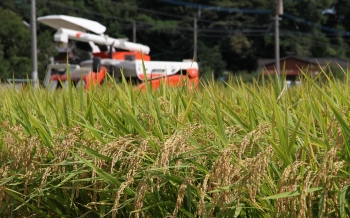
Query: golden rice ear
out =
(232, 149)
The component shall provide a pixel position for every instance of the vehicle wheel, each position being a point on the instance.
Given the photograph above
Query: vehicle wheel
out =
(53, 85)
(96, 64)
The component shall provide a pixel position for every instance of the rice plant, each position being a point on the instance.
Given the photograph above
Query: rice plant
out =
(233, 150)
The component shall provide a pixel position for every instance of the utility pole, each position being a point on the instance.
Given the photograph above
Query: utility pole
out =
(279, 11)
(34, 45)
(195, 39)
(134, 31)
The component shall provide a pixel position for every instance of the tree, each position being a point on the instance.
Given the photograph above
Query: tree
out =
(306, 33)
(14, 46)
(227, 40)
(339, 18)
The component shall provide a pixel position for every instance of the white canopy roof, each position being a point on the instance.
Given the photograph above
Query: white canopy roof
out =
(74, 23)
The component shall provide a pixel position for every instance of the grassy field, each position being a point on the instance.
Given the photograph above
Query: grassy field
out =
(235, 150)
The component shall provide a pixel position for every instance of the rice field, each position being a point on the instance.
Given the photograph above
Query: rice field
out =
(224, 150)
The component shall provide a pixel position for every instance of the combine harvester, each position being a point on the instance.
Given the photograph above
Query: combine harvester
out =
(127, 60)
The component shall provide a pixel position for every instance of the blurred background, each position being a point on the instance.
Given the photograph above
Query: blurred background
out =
(231, 37)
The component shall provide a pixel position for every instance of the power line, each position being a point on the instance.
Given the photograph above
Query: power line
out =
(165, 26)
(168, 14)
(208, 7)
(307, 33)
(308, 23)
(288, 32)
(114, 17)
(147, 10)
(224, 35)
(162, 49)
(231, 30)
(218, 8)
(86, 11)
(231, 10)
(248, 32)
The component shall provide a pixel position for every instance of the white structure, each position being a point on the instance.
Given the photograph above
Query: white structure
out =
(76, 28)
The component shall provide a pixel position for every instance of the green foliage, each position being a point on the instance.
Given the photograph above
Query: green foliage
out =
(234, 150)
(211, 60)
(15, 46)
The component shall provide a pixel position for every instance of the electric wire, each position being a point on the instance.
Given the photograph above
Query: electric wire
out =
(218, 8)
(230, 10)
(162, 49)
(164, 26)
(249, 33)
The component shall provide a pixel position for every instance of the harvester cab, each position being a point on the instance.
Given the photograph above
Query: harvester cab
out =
(127, 60)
